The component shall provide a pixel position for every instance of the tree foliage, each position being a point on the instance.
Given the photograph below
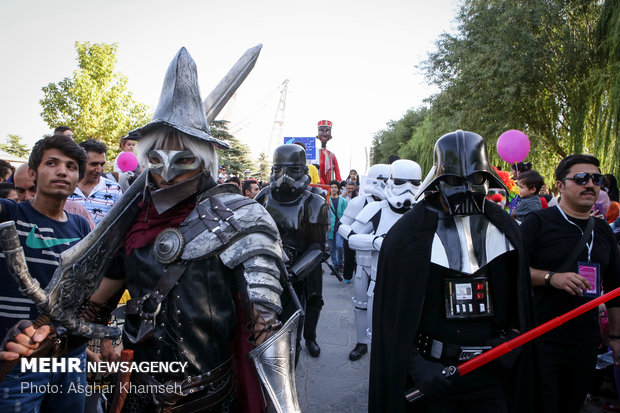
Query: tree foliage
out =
(548, 68)
(264, 167)
(390, 140)
(236, 158)
(14, 146)
(94, 102)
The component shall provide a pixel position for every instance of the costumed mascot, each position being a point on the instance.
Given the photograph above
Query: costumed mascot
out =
(451, 283)
(366, 236)
(328, 163)
(203, 266)
(301, 217)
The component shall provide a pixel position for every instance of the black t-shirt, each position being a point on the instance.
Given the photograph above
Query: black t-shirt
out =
(549, 239)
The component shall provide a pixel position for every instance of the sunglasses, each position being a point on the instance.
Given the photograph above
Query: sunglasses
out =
(584, 177)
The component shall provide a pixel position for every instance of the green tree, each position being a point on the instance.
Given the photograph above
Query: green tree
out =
(14, 146)
(236, 158)
(605, 86)
(94, 102)
(264, 167)
(389, 141)
(547, 68)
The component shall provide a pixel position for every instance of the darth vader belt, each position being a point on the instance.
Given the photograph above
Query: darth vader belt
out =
(434, 349)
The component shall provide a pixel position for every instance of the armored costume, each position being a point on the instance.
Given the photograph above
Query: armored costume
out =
(201, 263)
(371, 225)
(451, 283)
(329, 169)
(374, 187)
(301, 217)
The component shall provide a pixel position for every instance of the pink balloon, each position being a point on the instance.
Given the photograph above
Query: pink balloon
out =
(513, 146)
(127, 161)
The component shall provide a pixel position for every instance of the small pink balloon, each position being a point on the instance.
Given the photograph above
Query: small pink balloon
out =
(127, 161)
(513, 146)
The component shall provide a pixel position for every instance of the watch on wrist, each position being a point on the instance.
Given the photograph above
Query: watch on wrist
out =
(548, 278)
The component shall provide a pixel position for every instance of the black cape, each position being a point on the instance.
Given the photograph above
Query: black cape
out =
(404, 266)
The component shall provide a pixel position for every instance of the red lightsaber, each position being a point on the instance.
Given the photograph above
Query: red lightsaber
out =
(488, 356)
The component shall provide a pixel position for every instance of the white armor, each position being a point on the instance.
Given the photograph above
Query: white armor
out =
(376, 179)
(367, 232)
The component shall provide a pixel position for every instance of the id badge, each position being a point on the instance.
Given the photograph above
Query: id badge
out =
(591, 271)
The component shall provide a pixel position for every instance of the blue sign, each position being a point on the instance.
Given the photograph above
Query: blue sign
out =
(309, 143)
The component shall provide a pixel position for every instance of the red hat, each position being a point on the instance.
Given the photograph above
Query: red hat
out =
(325, 123)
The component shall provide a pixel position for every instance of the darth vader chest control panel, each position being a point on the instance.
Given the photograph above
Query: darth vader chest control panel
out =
(467, 298)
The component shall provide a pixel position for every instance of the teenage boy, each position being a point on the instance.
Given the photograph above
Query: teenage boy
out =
(45, 230)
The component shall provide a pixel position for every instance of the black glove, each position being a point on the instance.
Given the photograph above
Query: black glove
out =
(428, 377)
(508, 360)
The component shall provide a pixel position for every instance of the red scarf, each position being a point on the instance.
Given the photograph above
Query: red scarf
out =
(149, 223)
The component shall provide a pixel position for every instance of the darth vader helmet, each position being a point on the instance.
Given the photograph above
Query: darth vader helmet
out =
(461, 173)
(289, 173)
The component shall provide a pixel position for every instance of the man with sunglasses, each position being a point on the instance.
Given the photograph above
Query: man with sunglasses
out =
(563, 280)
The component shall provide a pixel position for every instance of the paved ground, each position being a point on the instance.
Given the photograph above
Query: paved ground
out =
(333, 383)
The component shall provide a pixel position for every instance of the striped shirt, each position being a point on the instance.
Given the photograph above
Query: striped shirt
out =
(101, 198)
(43, 239)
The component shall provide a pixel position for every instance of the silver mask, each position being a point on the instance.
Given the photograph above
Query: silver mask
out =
(169, 164)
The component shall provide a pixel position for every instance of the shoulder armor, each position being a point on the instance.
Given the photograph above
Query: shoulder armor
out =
(354, 207)
(369, 211)
(317, 209)
(214, 232)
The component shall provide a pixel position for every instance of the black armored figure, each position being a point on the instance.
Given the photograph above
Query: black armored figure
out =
(301, 217)
(452, 283)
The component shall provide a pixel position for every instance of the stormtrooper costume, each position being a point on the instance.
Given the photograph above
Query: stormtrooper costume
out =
(376, 182)
(366, 236)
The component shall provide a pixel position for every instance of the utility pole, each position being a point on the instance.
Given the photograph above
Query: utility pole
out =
(278, 120)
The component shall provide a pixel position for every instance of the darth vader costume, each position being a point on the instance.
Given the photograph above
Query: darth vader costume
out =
(451, 283)
(301, 217)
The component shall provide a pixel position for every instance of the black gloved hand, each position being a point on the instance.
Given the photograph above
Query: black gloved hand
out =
(508, 360)
(428, 377)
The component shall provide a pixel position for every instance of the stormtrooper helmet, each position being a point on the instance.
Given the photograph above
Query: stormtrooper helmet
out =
(376, 180)
(405, 178)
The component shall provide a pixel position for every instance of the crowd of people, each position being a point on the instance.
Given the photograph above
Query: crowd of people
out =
(220, 273)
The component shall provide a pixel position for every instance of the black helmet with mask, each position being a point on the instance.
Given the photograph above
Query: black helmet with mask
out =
(289, 173)
(461, 173)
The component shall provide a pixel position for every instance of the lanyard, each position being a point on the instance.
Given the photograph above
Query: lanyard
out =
(591, 244)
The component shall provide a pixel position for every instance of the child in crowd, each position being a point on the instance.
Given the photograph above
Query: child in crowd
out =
(529, 184)
(127, 145)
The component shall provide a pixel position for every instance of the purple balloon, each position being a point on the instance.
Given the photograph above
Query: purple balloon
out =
(513, 146)
(127, 161)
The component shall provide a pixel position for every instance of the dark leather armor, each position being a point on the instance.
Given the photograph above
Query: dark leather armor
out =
(196, 321)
